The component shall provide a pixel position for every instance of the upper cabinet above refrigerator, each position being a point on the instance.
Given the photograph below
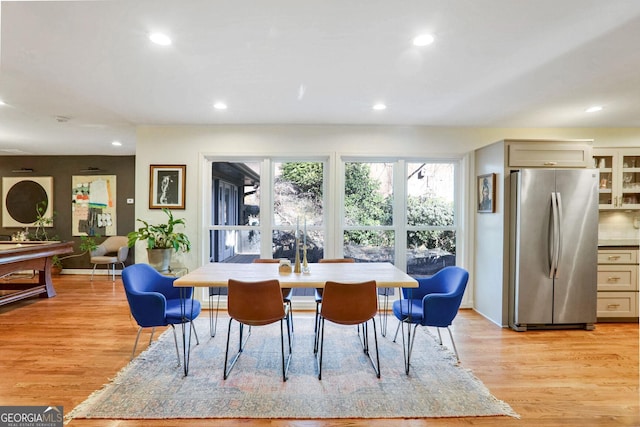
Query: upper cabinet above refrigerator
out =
(619, 186)
(550, 154)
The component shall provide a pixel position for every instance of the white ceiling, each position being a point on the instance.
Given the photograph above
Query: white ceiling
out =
(494, 63)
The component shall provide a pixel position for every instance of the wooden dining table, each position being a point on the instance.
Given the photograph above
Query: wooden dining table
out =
(218, 274)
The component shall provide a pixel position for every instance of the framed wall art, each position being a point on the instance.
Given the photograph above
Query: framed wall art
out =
(486, 192)
(93, 205)
(167, 184)
(21, 198)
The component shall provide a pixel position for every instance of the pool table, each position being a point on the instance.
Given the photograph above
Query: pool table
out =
(30, 255)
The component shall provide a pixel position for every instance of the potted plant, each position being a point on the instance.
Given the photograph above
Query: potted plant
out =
(87, 244)
(161, 240)
(41, 223)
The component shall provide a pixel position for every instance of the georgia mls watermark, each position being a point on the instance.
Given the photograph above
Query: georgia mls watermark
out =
(31, 416)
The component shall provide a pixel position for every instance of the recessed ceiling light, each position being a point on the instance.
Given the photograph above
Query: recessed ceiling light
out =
(423, 40)
(220, 106)
(593, 109)
(159, 38)
(379, 106)
(116, 143)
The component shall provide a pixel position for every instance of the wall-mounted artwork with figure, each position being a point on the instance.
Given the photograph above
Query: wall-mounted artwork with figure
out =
(93, 205)
(487, 193)
(167, 186)
(21, 198)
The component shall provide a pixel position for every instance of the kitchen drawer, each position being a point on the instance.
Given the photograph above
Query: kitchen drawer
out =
(551, 154)
(617, 256)
(617, 304)
(617, 277)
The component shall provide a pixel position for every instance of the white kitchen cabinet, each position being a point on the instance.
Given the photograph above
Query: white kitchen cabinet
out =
(550, 154)
(617, 283)
(619, 177)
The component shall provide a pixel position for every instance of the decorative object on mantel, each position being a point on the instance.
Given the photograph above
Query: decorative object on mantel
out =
(437, 386)
(161, 240)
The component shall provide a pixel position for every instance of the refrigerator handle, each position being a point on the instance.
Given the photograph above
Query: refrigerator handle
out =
(553, 245)
(559, 237)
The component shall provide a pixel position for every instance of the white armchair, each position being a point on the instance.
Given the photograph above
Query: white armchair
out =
(114, 250)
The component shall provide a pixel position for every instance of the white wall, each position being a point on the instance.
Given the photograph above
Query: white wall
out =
(188, 144)
(489, 251)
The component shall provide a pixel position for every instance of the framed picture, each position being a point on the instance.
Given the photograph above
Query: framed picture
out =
(22, 198)
(167, 184)
(487, 193)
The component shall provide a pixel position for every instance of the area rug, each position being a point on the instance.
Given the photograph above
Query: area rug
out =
(153, 387)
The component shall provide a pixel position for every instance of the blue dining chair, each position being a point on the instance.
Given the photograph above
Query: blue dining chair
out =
(154, 301)
(434, 303)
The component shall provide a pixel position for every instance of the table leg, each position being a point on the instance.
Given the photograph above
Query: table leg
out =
(407, 344)
(186, 326)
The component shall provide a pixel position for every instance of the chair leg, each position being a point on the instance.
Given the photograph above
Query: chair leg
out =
(93, 271)
(289, 314)
(316, 328)
(153, 331)
(376, 366)
(113, 272)
(285, 362)
(453, 343)
(397, 329)
(135, 344)
(175, 340)
(241, 344)
(439, 336)
(193, 328)
(320, 335)
(384, 314)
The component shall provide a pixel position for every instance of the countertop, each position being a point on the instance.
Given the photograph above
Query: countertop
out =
(619, 242)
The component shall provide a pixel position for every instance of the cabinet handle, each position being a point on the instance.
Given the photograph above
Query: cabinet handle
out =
(612, 306)
(550, 163)
(614, 257)
(613, 279)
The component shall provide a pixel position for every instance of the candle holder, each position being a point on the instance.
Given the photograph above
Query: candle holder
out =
(305, 264)
(296, 266)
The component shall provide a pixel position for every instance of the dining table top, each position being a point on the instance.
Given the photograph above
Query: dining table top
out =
(217, 274)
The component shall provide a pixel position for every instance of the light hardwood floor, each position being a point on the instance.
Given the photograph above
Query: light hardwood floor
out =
(58, 351)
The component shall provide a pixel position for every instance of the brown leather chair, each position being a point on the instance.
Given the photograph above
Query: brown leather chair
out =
(350, 304)
(256, 304)
(287, 293)
(318, 291)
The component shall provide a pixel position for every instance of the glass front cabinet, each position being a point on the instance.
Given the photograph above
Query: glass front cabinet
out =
(619, 185)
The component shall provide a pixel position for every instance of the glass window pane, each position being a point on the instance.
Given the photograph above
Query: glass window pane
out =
(369, 245)
(284, 245)
(235, 201)
(368, 194)
(430, 251)
(430, 194)
(298, 193)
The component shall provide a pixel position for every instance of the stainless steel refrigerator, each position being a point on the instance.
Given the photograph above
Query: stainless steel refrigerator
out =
(554, 248)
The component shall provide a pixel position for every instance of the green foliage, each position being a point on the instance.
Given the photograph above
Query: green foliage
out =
(366, 206)
(307, 176)
(41, 223)
(161, 236)
(434, 212)
(87, 244)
